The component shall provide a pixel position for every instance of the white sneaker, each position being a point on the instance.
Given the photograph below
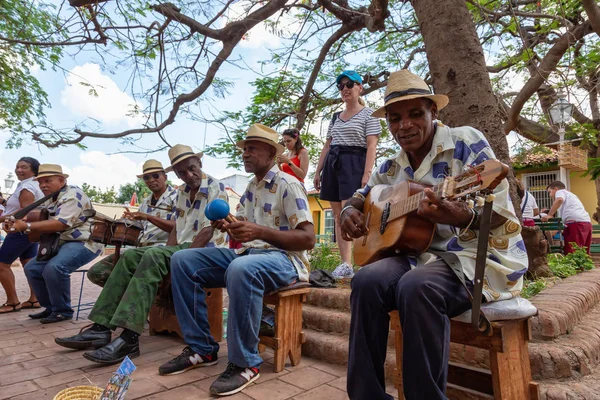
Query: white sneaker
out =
(344, 270)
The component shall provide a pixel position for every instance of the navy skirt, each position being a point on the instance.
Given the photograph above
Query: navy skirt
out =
(342, 173)
(17, 245)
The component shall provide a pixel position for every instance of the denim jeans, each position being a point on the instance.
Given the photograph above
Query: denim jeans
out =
(51, 280)
(247, 278)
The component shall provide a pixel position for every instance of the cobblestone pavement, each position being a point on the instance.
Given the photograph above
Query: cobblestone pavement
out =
(33, 367)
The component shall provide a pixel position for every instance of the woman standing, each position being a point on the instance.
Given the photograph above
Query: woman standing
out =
(295, 162)
(348, 157)
(17, 245)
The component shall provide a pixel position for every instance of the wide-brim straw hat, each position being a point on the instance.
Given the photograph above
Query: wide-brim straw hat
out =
(180, 152)
(404, 85)
(262, 133)
(50, 170)
(151, 166)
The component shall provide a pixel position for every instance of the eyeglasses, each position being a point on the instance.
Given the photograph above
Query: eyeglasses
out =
(154, 176)
(349, 85)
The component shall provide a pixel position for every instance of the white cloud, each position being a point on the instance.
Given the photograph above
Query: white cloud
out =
(103, 171)
(90, 93)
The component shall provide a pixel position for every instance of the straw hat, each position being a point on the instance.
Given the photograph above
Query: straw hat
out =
(404, 85)
(50, 170)
(151, 166)
(262, 133)
(180, 152)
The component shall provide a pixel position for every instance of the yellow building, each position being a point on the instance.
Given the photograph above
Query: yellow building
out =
(536, 171)
(321, 213)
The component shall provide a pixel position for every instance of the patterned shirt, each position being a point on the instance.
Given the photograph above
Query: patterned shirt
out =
(278, 202)
(68, 209)
(190, 218)
(451, 151)
(152, 233)
(355, 130)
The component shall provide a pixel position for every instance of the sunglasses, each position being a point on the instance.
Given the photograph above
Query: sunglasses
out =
(153, 176)
(349, 85)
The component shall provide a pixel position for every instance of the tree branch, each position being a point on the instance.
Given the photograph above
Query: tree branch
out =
(593, 12)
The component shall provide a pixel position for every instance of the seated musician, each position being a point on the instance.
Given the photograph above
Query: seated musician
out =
(156, 212)
(51, 279)
(131, 288)
(425, 291)
(275, 228)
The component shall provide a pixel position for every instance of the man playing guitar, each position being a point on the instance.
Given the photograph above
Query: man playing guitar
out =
(422, 287)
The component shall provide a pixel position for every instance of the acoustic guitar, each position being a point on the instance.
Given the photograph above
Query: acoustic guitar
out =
(391, 211)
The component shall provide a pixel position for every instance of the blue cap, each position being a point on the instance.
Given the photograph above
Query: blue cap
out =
(352, 75)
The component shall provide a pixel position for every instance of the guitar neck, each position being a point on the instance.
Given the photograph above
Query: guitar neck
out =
(411, 203)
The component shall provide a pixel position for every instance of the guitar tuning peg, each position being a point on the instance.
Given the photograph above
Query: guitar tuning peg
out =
(480, 201)
(470, 203)
(490, 197)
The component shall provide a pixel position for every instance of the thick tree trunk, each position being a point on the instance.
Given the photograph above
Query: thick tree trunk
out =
(458, 69)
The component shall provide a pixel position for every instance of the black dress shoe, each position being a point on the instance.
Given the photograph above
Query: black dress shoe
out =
(55, 317)
(42, 314)
(85, 339)
(114, 352)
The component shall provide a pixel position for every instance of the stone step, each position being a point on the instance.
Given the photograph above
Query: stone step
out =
(334, 349)
(587, 388)
(563, 306)
(333, 299)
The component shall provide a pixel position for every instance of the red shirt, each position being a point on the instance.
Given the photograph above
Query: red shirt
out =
(288, 170)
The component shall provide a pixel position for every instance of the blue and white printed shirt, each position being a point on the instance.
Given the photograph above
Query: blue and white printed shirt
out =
(152, 233)
(68, 209)
(190, 218)
(278, 202)
(451, 151)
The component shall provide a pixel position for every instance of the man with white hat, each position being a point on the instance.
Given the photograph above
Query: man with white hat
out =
(50, 273)
(424, 289)
(155, 212)
(131, 288)
(275, 228)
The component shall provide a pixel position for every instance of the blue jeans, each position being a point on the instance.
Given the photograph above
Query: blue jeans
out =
(247, 278)
(51, 280)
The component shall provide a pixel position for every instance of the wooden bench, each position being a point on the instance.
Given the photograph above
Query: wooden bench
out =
(289, 337)
(595, 248)
(552, 226)
(510, 374)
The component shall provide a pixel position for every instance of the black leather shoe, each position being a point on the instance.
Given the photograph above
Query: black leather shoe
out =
(114, 352)
(85, 339)
(41, 314)
(55, 317)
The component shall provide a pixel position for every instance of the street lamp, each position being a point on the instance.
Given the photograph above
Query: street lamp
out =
(9, 182)
(560, 114)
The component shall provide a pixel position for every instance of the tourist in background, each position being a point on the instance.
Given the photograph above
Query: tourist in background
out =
(295, 160)
(347, 158)
(16, 244)
(529, 206)
(578, 224)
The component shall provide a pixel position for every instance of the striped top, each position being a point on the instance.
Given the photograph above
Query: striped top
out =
(354, 131)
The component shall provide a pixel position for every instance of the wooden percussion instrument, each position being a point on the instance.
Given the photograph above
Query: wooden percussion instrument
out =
(126, 232)
(101, 231)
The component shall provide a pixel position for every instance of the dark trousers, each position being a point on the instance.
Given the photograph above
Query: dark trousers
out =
(426, 298)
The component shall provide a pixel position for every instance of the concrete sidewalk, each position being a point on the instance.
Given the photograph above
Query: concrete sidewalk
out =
(33, 367)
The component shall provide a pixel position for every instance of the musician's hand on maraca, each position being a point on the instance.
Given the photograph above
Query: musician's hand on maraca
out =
(352, 224)
(441, 211)
(220, 225)
(244, 231)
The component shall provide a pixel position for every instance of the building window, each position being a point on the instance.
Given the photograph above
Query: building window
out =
(329, 223)
(536, 185)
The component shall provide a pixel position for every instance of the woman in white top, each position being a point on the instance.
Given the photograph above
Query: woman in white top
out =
(17, 245)
(347, 158)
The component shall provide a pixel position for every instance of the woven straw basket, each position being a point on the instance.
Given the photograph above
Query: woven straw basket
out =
(79, 393)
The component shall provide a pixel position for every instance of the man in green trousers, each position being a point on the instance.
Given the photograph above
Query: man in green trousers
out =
(131, 288)
(155, 213)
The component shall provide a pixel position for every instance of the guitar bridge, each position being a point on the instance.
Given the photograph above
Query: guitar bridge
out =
(384, 218)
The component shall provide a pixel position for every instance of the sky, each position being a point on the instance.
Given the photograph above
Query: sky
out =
(102, 164)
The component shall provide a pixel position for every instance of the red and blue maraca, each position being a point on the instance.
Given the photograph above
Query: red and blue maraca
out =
(218, 209)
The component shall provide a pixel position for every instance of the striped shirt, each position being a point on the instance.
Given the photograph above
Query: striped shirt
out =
(354, 131)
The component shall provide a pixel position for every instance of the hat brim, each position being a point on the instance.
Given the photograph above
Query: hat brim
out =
(280, 149)
(441, 100)
(199, 155)
(149, 171)
(42, 175)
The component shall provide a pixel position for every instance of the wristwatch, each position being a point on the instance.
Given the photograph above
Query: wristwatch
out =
(28, 229)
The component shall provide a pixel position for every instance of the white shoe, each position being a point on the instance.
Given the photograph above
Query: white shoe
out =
(344, 270)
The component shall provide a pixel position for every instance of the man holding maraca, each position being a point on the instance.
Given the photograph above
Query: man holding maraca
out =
(130, 290)
(275, 227)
